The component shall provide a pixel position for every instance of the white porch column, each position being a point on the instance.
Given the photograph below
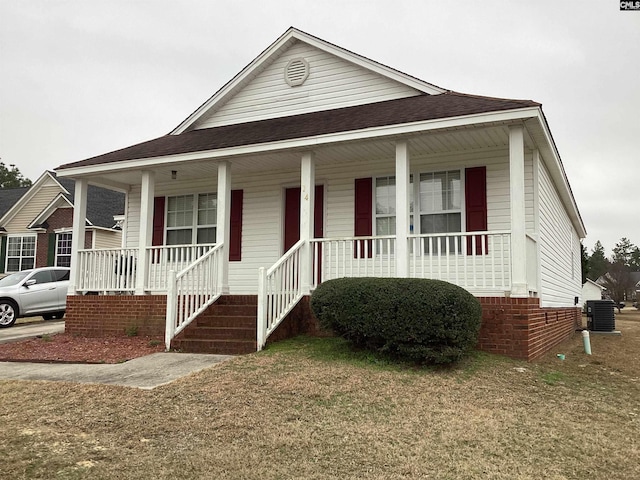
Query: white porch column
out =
(307, 199)
(223, 222)
(146, 228)
(79, 222)
(402, 209)
(518, 229)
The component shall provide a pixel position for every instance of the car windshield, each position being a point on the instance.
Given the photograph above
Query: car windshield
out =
(14, 278)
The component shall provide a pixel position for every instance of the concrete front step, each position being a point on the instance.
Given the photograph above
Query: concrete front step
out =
(221, 347)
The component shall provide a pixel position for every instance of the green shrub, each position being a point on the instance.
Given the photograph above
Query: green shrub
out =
(426, 321)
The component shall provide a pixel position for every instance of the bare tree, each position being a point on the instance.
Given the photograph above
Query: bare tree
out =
(618, 282)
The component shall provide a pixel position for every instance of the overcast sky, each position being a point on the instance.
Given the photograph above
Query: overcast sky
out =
(80, 78)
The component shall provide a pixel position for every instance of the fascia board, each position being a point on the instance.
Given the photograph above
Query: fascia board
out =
(26, 198)
(560, 177)
(272, 50)
(308, 142)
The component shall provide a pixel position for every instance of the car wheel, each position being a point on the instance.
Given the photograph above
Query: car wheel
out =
(48, 316)
(8, 313)
(59, 314)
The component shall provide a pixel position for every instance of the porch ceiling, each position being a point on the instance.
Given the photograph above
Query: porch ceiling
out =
(437, 142)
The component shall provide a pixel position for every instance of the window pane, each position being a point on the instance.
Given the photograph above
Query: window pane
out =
(179, 237)
(13, 264)
(63, 261)
(386, 195)
(386, 226)
(27, 263)
(207, 235)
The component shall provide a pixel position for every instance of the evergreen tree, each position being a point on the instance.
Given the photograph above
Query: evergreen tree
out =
(585, 263)
(12, 178)
(598, 263)
(622, 252)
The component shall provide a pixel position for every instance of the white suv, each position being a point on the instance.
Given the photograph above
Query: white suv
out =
(40, 291)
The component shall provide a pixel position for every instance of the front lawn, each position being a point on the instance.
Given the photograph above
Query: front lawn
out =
(309, 408)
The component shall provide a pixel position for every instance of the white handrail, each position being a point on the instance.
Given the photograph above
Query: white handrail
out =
(279, 290)
(191, 291)
(164, 258)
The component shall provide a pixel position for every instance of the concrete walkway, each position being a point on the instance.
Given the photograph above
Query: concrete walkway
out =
(30, 330)
(146, 372)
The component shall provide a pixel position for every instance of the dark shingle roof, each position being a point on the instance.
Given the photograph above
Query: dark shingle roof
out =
(391, 112)
(102, 203)
(9, 197)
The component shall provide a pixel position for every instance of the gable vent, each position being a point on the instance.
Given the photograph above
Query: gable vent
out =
(296, 72)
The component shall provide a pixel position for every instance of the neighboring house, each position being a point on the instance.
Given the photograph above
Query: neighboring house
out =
(36, 223)
(591, 291)
(315, 163)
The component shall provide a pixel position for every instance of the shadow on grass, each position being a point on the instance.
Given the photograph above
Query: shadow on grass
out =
(337, 349)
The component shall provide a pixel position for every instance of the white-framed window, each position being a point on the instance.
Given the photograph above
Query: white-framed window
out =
(440, 206)
(438, 209)
(191, 217)
(63, 249)
(21, 253)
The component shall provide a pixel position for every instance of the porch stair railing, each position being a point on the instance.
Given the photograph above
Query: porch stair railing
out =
(191, 291)
(279, 290)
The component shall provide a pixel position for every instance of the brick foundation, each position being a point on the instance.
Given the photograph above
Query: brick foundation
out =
(107, 315)
(520, 328)
(515, 327)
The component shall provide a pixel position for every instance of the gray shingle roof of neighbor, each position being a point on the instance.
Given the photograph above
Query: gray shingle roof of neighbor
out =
(9, 196)
(102, 203)
(386, 113)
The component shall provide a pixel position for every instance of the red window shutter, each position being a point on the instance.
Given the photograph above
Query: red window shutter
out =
(475, 191)
(363, 216)
(235, 232)
(158, 221)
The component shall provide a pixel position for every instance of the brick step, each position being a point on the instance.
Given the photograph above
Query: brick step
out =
(238, 300)
(219, 333)
(221, 347)
(226, 321)
(231, 310)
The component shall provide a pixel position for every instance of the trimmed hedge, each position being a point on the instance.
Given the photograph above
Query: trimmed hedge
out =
(425, 321)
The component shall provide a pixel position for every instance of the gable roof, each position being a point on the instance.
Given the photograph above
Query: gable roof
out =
(274, 50)
(102, 204)
(391, 112)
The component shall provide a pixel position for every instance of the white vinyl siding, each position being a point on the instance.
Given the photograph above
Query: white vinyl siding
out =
(106, 239)
(559, 248)
(332, 83)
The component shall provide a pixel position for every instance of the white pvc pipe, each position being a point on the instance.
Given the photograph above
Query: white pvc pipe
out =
(586, 341)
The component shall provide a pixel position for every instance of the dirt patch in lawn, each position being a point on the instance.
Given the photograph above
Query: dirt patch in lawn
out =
(73, 349)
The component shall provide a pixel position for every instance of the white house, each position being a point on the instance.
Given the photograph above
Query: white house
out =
(314, 163)
(591, 291)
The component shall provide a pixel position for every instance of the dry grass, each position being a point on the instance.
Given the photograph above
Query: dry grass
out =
(310, 409)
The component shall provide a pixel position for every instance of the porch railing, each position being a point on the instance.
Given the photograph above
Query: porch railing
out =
(474, 260)
(353, 257)
(162, 259)
(279, 290)
(110, 270)
(477, 261)
(191, 291)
